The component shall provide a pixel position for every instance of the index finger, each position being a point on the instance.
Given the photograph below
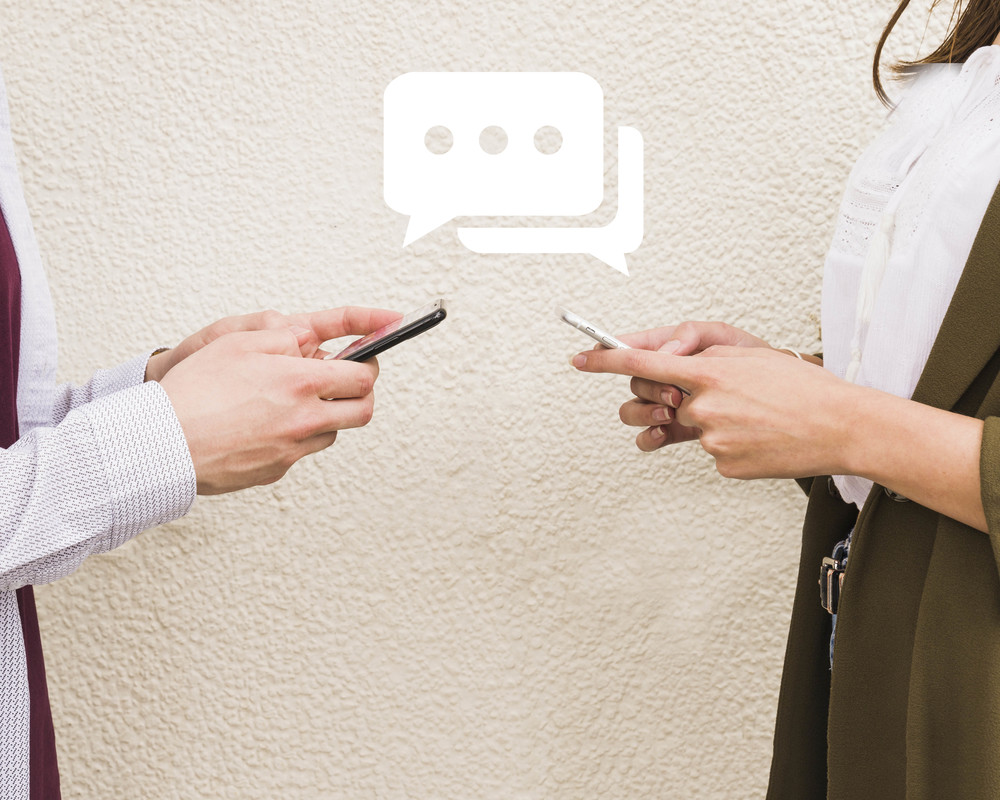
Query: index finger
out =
(355, 320)
(683, 372)
(653, 339)
(334, 380)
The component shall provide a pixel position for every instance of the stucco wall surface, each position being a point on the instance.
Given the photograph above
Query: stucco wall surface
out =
(488, 592)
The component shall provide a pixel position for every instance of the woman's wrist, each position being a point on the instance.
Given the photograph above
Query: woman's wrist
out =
(925, 454)
(801, 356)
(884, 436)
(843, 408)
(868, 418)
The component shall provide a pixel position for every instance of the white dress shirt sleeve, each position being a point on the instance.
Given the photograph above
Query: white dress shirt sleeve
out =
(115, 464)
(104, 382)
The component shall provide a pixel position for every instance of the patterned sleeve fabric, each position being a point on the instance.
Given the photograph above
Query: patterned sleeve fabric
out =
(93, 466)
(104, 382)
(14, 709)
(110, 469)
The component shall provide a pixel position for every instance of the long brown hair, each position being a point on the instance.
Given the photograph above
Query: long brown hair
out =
(973, 27)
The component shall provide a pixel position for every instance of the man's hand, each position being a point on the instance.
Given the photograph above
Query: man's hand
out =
(320, 326)
(253, 399)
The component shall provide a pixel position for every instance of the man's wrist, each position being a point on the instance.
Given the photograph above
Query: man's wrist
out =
(158, 364)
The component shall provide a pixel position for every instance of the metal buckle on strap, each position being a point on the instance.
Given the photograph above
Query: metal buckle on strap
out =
(831, 580)
(831, 577)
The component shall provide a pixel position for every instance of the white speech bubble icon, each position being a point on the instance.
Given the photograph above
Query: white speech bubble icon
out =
(513, 178)
(609, 243)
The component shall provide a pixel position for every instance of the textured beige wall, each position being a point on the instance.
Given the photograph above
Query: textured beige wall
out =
(488, 592)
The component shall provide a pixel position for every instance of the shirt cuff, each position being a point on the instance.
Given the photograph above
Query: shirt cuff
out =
(131, 373)
(151, 477)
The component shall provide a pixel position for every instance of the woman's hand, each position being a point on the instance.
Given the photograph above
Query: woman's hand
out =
(655, 403)
(763, 414)
(757, 411)
(690, 338)
(310, 329)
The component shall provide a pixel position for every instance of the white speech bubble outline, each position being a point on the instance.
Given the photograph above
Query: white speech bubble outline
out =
(609, 243)
(419, 225)
(433, 189)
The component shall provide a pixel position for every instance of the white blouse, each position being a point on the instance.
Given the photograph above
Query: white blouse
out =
(913, 206)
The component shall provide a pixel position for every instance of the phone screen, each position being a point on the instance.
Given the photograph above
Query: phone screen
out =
(406, 327)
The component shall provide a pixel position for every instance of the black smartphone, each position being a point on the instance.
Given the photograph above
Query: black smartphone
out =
(416, 322)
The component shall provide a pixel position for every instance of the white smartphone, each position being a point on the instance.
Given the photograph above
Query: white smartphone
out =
(597, 334)
(591, 330)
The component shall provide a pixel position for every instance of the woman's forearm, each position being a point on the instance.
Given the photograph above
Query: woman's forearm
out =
(923, 453)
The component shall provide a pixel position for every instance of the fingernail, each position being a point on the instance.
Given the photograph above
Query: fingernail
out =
(660, 414)
(658, 432)
(668, 398)
(672, 346)
(578, 361)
